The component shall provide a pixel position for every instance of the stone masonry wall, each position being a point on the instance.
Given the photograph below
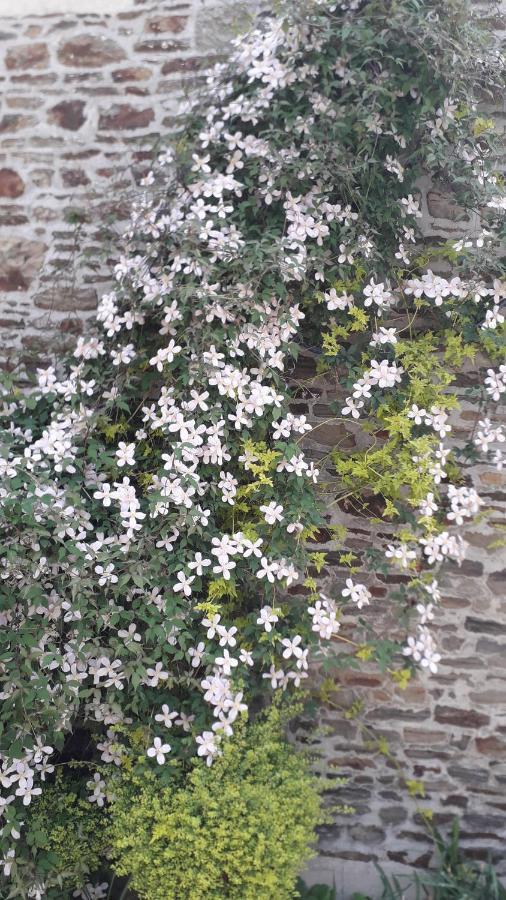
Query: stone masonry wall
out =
(83, 101)
(446, 730)
(84, 98)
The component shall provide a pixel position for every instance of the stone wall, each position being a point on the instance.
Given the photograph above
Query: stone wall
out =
(446, 730)
(84, 98)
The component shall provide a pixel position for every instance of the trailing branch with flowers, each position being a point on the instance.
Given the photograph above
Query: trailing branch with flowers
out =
(156, 501)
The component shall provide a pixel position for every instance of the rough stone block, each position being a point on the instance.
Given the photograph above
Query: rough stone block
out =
(11, 183)
(89, 51)
(20, 261)
(161, 24)
(27, 56)
(132, 73)
(123, 116)
(68, 114)
(443, 206)
(462, 718)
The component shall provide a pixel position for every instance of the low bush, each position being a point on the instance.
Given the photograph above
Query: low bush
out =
(67, 837)
(239, 829)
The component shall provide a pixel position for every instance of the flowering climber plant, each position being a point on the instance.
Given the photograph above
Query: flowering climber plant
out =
(156, 498)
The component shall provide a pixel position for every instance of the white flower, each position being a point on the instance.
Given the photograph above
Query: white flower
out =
(394, 166)
(465, 503)
(383, 336)
(378, 294)
(338, 301)
(428, 506)
(295, 528)
(155, 675)
(125, 454)
(246, 657)
(426, 612)
(185, 722)
(207, 746)
(106, 574)
(166, 716)
(224, 568)
(268, 569)
(401, 553)
(385, 374)
(159, 750)
(292, 647)
(129, 634)
(184, 584)
(164, 355)
(199, 564)
(417, 414)
(196, 654)
(352, 407)
(422, 649)
(444, 544)
(275, 676)
(358, 593)
(228, 487)
(96, 786)
(227, 636)
(27, 791)
(226, 662)
(267, 618)
(234, 706)
(104, 494)
(212, 625)
(496, 382)
(272, 512)
(433, 590)
(411, 207)
(123, 355)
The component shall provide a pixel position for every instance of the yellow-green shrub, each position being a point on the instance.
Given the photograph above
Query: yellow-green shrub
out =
(67, 833)
(240, 829)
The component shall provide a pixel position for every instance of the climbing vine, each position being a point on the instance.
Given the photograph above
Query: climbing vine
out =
(157, 505)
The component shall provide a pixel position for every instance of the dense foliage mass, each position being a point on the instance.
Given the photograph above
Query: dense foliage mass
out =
(156, 502)
(240, 830)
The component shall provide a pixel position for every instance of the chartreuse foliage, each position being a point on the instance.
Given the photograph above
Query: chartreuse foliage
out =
(241, 829)
(67, 835)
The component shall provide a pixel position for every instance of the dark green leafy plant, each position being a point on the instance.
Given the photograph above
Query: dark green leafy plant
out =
(455, 876)
(155, 503)
(315, 892)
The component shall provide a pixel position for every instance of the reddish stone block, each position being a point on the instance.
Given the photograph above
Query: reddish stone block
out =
(15, 122)
(19, 263)
(74, 177)
(27, 56)
(133, 73)
(89, 51)
(462, 718)
(82, 299)
(11, 184)
(122, 116)
(10, 216)
(136, 91)
(172, 24)
(68, 114)
(192, 64)
(443, 206)
(160, 46)
(71, 326)
(491, 746)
